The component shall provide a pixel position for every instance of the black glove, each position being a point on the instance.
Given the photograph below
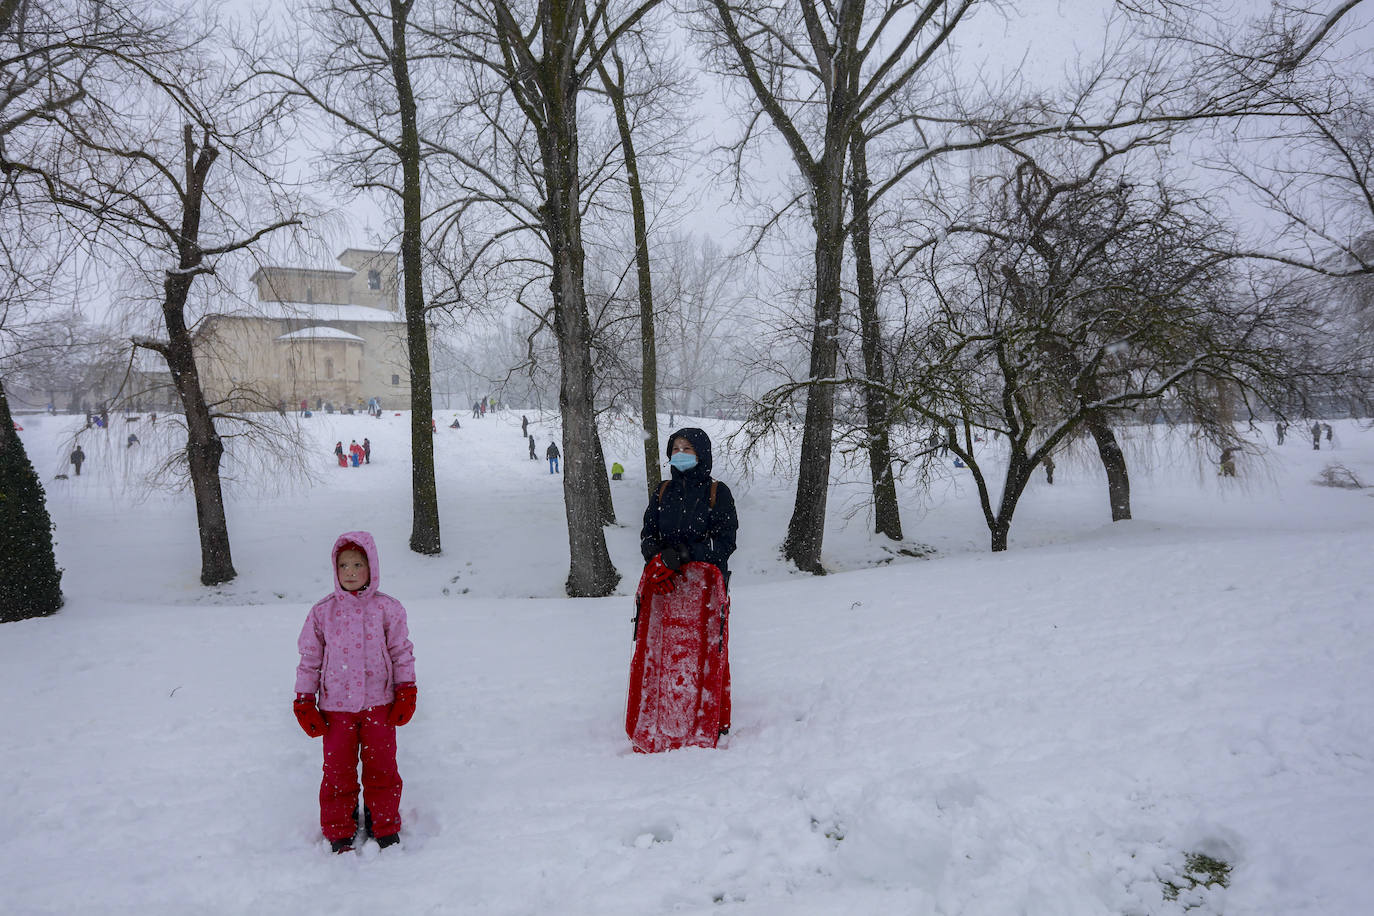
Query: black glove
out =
(674, 555)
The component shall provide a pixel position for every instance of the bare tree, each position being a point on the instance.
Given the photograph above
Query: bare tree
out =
(1072, 296)
(544, 58)
(360, 69)
(657, 82)
(184, 204)
(815, 71)
(57, 56)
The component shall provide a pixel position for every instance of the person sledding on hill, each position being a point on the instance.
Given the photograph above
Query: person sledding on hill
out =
(355, 451)
(355, 685)
(339, 453)
(692, 517)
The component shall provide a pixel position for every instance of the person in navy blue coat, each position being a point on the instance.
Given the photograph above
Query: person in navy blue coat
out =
(685, 520)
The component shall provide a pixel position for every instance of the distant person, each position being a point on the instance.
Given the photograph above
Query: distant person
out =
(367, 451)
(77, 458)
(533, 456)
(1280, 428)
(476, 410)
(152, 418)
(1316, 437)
(524, 425)
(1049, 470)
(355, 451)
(617, 471)
(553, 455)
(455, 424)
(131, 441)
(1326, 428)
(356, 708)
(339, 452)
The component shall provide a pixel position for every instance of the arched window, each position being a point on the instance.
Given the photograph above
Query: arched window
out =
(328, 368)
(374, 279)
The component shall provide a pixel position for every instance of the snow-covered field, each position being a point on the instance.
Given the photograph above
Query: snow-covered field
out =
(1049, 731)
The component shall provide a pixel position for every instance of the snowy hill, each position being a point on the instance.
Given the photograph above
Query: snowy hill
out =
(1055, 730)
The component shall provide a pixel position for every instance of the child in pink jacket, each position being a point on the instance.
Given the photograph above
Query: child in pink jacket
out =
(357, 657)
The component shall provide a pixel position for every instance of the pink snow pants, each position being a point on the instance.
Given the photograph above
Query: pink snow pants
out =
(345, 735)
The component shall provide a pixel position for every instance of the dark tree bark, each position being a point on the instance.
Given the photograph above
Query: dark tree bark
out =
(545, 68)
(367, 44)
(591, 573)
(603, 483)
(830, 52)
(887, 519)
(1114, 463)
(424, 529)
(1083, 384)
(204, 449)
(648, 385)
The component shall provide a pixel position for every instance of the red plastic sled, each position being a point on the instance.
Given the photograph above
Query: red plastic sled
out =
(680, 675)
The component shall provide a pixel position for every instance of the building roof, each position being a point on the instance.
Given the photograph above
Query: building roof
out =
(319, 332)
(314, 311)
(320, 271)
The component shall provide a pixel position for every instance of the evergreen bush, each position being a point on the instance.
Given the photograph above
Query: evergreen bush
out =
(31, 584)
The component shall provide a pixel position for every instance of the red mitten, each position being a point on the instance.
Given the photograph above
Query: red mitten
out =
(658, 577)
(403, 707)
(312, 723)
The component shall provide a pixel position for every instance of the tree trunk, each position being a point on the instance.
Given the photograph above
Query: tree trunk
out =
(32, 584)
(424, 529)
(603, 482)
(887, 519)
(591, 573)
(648, 382)
(1087, 391)
(204, 449)
(1018, 475)
(1114, 463)
(806, 528)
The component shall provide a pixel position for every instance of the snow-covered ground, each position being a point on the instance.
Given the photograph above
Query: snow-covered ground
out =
(1049, 731)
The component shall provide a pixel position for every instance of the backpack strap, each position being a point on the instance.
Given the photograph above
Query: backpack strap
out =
(710, 501)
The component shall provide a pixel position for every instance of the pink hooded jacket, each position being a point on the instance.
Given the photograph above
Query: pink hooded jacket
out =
(355, 647)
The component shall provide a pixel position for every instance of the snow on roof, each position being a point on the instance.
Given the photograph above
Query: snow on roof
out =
(320, 333)
(314, 311)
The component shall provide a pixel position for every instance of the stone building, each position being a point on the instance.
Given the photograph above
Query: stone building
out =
(324, 336)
